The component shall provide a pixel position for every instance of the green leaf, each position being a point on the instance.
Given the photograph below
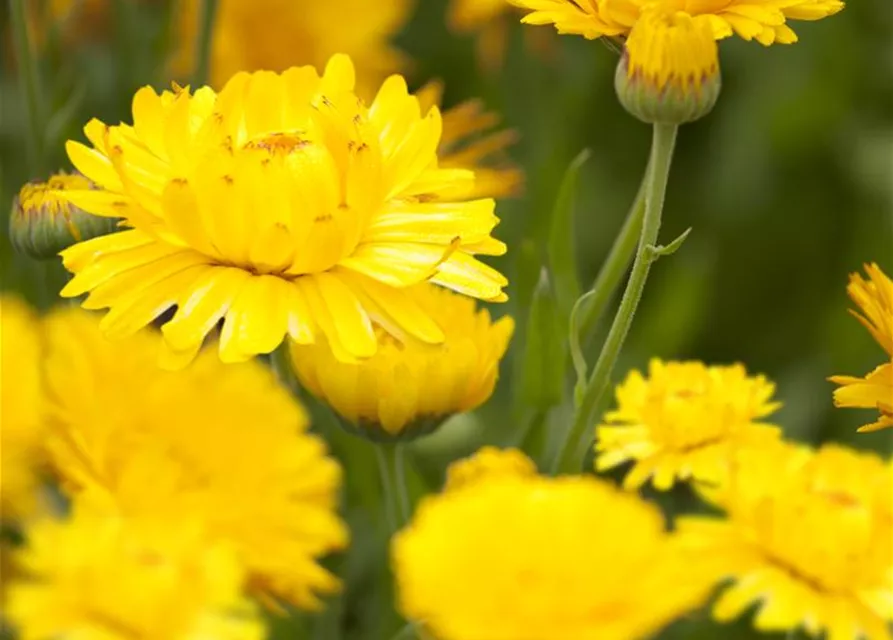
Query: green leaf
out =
(576, 349)
(542, 383)
(561, 253)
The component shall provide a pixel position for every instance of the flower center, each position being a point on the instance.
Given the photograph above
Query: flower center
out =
(279, 143)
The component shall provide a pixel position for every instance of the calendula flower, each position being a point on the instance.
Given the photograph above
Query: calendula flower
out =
(523, 556)
(222, 444)
(487, 463)
(282, 206)
(22, 425)
(408, 388)
(43, 222)
(74, 21)
(278, 34)
(875, 391)
(669, 72)
(807, 538)
(683, 422)
(101, 578)
(761, 20)
(469, 141)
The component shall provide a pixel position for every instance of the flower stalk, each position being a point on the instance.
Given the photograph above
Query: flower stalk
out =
(26, 63)
(203, 41)
(391, 466)
(569, 459)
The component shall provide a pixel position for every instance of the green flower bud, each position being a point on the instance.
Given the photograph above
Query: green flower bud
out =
(43, 222)
(669, 72)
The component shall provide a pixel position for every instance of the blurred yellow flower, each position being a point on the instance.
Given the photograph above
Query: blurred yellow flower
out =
(684, 422)
(807, 538)
(875, 391)
(487, 463)
(408, 388)
(22, 424)
(100, 578)
(282, 206)
(519, 556)
(762, 20)
(222, 444)
(278, 34)
(73, 20)
(470, 142)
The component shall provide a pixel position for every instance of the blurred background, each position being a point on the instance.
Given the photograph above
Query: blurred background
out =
(788, 186)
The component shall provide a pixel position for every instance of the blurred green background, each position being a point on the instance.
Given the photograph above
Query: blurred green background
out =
(788, 186)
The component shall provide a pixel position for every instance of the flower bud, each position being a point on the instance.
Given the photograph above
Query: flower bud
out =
(669, 72)
(43, 222)
(408, 389)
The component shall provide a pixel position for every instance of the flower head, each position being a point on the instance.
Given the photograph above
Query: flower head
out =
(470, 142)
(22, 425)
(488, 463)
(807, 536)
(762, 20)
(875, 391)
(283, 205)
(683, 422)
(669, 72)
(409, 388)
(43, 222)
(222, 444)
(100, 578)
(278, 34)
(524, 556)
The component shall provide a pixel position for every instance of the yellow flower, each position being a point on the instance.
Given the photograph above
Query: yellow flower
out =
(522, 556)
(278, 34)
(74, 20)
(807, 537)
(669, 72)
(43, 223)
(409, 388)
(762, 20)
(22, 425)
(283, 205)
(223, 444)
(683, 422)
(875, 391)
(488, 463)
(469, 142)
(99, 578)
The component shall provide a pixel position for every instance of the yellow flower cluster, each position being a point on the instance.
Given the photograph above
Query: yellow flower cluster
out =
(807, 536)
(516, 555)
(875, 391)
(191, 490)
(684, 421)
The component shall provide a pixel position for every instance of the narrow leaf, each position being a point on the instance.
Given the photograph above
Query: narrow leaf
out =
(561, 252)
(544, 355)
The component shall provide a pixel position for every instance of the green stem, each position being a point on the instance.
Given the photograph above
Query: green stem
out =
(203, 38)
(28, 73)
(663, 142)
(615, 265)
(393, 483)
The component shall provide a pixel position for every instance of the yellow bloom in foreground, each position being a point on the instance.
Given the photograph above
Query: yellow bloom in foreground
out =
(762, 20)
(875, 391)
(684, 422)
(22, 426)
(470, 142)
(99, 578)
(808, 538)
(222, 444)
(669, 72)
(283, 205)
(519, 556)
(488, 463)
(278, 34)
(409, 388)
